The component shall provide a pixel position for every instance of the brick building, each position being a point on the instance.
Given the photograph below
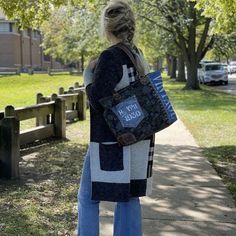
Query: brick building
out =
(21, 48)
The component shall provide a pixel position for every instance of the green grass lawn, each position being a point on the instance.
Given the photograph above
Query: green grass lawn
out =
(21, 90)
(209, 114)
(43, 201)
(211, 118)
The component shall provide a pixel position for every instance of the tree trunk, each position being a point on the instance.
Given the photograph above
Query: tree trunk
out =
(168, 62)
(82, 61)
(158, 64)
(227, 59)
(188, 48)
(181, 69)
(77, 65)
(192, 79)
(173, 67)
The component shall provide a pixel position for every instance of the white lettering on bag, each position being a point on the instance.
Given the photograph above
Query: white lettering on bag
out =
(132, 116)
(129, 112)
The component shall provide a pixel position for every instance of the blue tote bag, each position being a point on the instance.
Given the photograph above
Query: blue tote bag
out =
(140, 109)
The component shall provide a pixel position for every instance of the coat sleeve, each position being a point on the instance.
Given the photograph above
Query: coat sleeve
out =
(107, 75)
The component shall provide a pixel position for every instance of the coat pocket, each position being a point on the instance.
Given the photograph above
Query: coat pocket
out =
(111, 157)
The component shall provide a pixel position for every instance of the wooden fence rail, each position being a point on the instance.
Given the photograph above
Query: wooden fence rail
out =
(75, 102)
(70, 71)
(11, 138)
(9, 70)
(51, 114)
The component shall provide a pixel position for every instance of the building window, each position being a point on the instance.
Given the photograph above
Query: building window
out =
(35, 34)
(4, 27)
(11, 27)
(14, 28)
(27, 32)
(2, 17)
(46, 57)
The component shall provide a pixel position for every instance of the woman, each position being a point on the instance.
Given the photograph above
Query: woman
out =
(112, 172)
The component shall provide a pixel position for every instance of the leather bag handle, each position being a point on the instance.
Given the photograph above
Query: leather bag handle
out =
(138, 68)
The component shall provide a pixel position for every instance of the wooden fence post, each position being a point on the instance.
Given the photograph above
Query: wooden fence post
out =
(9, 146)
(40, 120)
(82, 105)
(18, 70)
(71, 90)
(49, 71)
(53, 97)
(76, 85)
(9, 111)
(30, 71)
(61, 91)
(38, 97)
(70, 71)
(60, 118)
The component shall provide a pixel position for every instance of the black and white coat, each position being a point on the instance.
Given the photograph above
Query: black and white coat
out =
(117, 173)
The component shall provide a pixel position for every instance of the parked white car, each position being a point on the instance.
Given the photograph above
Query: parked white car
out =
(226, 67)
(213, 73)
(232, 67)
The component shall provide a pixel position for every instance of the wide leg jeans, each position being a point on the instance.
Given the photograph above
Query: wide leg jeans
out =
(127, 215)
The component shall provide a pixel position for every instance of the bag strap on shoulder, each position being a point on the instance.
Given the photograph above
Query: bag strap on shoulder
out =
(128, 52)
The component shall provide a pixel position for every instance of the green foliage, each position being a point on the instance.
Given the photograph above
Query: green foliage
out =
(31, 13)
(28, 12)
(154, 42)
(224, 47)
(71, 32)
(181, 30)
(222, 11)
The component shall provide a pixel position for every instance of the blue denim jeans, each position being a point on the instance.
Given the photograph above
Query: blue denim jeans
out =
(127, 215)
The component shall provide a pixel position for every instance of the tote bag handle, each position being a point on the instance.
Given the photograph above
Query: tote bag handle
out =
(139, 68)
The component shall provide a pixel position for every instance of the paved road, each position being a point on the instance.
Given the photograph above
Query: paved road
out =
(230, 88)
(189, 197)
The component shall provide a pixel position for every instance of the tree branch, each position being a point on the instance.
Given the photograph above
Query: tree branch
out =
(183, 47)
(164, 28)
(158, 25)
(205, 50)
(149, 4)
(203, 37)
(165, 11)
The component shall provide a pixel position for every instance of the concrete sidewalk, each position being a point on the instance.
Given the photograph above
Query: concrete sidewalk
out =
(188, 196)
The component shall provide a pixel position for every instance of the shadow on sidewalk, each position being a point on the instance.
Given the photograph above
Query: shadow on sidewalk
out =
(188, 196)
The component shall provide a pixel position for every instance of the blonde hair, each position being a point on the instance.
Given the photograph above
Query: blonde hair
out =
(118, 20)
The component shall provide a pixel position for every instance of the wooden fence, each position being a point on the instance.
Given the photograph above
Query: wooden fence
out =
(75, 101)
(51, 115)
(70, 71)
(9, 71)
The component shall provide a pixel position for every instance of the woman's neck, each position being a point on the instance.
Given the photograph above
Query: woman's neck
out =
(114, 40)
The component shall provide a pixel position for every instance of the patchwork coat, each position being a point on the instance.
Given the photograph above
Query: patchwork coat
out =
(117, 173)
